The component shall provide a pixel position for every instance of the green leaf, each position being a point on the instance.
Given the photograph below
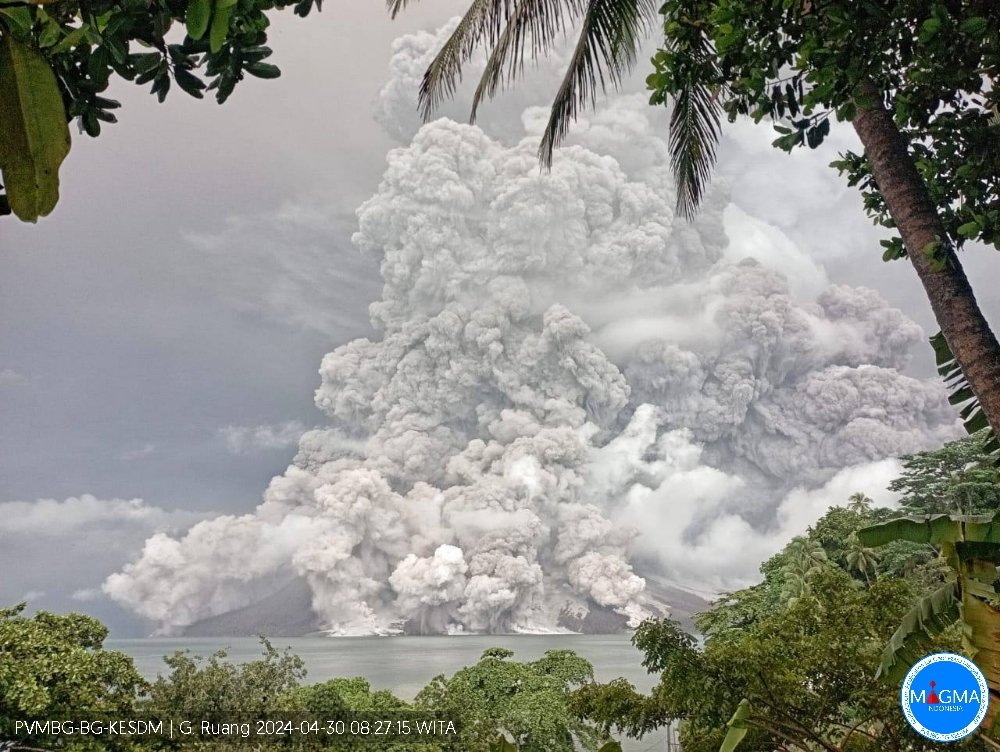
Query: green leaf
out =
(144, 62)
(34, 135)
(694, 131)
(50, 34)
(975, 25)
(199, 13)
(220, 25)
(969, 229)
(737, 727)
(928, 618)
(954, 378)
(929, 29)
(935, 529)
(611, 747)
(71, 40)
(20, 17)
(263, 70)
(189, 82)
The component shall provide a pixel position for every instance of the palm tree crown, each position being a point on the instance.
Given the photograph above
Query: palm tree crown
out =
(859, 503)
(610, 35)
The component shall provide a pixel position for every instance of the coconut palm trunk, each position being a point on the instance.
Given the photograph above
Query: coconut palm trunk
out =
(962, 323)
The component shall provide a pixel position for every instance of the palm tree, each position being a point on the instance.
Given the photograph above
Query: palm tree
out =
(805, 557)
(860, 558)
(610, 34)
(795, 588)
(860, 504)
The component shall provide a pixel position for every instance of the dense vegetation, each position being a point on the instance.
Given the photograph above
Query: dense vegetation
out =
(55, 667)
(792, 663)
(799, 661)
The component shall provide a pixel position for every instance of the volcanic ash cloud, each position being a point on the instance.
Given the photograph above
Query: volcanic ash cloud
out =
(560, 364)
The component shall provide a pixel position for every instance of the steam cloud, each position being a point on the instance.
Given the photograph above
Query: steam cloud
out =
(572, 387)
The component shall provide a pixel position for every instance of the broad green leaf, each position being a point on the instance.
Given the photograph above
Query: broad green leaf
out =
(34, 135)
(969, 229)
(20, 17)
(930, 616)
(611, 747)
(934, 529)
(983, 529)
(737, 727)
(220, 25)
(981, 623)
(71, 40)
(199, 13)
(50, 34)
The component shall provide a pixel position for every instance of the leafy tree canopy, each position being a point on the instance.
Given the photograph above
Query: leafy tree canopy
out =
(526, 701)
(215, 687)
(806, 671)
(799, 63)
(831, 541)
(958, 478)
(55, 666)
(58, 57)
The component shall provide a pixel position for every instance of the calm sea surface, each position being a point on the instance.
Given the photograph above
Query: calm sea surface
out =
(404, 665)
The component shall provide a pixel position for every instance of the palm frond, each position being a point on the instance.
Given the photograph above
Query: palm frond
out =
(534, 23)
(695, 127)
(395, 6)
(481, 24)
(928, 618)
(610, 36)
(960, 393)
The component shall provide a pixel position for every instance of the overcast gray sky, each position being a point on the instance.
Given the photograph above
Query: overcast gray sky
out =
(161, 332)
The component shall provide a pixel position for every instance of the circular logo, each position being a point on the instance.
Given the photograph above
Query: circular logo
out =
(945, 697)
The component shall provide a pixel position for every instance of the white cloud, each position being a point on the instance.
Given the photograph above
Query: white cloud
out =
(87, 595)
(138, 453)
(10, 377)
(63, 549)
(265, 437)
(86, 513)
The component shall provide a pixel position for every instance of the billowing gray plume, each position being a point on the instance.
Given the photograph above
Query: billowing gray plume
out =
(571, 389)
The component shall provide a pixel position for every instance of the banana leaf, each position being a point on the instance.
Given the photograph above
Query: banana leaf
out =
(936, 529)
(737, 727)
(910, 642)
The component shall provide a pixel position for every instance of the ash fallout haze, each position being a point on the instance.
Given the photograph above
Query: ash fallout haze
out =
(562, 407)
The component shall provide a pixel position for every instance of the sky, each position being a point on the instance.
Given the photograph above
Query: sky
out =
(162, 330)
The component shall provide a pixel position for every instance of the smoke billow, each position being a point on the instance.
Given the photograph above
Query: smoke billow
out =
(570, 388)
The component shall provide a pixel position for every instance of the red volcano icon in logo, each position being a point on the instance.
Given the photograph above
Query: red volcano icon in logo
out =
(933, 698)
